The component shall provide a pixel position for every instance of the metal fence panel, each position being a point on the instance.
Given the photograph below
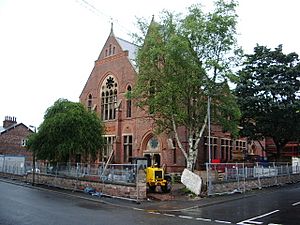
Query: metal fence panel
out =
(112, 173)
(238, 173)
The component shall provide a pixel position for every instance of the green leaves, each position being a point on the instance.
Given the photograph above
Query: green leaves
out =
(213, 37)
(68, 129)
(183, 61)
(268, 95)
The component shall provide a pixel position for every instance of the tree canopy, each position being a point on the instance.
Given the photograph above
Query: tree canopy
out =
(179, 69)
(68, 128)
(269, 96)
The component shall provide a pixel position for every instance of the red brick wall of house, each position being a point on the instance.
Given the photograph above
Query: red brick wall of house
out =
(11, 142)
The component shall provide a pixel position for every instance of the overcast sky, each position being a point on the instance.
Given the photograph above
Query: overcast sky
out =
(48, 47)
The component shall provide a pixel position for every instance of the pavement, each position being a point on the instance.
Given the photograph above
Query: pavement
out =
(177, 200)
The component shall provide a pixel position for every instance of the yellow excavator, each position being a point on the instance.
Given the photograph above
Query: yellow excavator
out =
(156, 177)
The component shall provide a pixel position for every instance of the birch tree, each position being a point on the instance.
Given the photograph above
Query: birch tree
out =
(178, 71)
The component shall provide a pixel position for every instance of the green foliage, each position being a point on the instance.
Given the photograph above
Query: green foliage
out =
(68, 129)
(269, 95)
(213, 37)
(170, 76)
(181, 63)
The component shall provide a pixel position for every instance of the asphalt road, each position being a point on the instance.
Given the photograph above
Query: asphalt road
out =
(25, 205)
(21, 205)
(276, 206)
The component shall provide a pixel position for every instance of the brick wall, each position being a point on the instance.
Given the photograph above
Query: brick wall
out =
(139, 125)
(11, 141)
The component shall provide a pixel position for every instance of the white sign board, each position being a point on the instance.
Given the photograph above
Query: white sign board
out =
(1, 162)
(12, 164)
(192, 181)
(296, 164)
(264, 172)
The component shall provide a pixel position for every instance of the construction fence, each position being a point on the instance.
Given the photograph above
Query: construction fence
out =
(12, 164)
(112, 173)
(239, 177)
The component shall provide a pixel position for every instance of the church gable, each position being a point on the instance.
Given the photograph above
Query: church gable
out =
(115, 47)
(116, 60)
(110, 48)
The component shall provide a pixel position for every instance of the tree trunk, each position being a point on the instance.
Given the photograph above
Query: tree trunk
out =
(177, 138)
(192, 154)
(199, 135)
(279, 148)
(190, 163)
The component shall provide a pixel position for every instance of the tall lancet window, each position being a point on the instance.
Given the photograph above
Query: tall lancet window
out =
(128, 102)
(109, 91)
(90, 102)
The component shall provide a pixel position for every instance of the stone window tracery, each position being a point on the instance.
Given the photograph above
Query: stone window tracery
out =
(109, 93)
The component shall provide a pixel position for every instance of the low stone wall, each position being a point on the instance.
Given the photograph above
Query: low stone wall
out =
(132, 191)
(247, 185)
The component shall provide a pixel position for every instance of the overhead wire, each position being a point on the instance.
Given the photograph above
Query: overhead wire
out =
(86, 4)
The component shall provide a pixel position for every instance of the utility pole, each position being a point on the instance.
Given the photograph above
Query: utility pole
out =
(33, 159)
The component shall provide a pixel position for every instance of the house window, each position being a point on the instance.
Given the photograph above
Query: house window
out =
(90, 102)
(23, 142)
(109, 99)
(108, 147)
(226, 149)
(128, 102)
(127, 146)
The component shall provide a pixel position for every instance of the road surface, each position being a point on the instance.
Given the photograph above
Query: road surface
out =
(23, 205)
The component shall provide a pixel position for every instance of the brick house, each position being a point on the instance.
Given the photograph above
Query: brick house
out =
(129, 130)
(13, 137)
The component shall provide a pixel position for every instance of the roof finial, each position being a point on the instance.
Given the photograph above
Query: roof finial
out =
(111, 26)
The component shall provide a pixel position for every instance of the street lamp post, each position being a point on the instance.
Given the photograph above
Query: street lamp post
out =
(208, 121)
(33, 159)
(209, 147)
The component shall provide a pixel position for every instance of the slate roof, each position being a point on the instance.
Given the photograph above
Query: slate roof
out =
(130, 47)
(3, 130)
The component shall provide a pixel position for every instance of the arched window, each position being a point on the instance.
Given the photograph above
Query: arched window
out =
(90, 102)
(109, 91)
(128, 102)
(109, 50)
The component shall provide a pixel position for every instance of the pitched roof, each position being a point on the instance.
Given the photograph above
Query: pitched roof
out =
(130, 47)
(3, 130)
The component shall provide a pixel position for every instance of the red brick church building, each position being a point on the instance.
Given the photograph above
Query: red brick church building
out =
(129, 130)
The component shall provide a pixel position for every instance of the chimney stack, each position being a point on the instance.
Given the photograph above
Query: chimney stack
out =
(9, 121)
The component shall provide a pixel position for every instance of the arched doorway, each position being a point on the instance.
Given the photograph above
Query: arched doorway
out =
(152, 151)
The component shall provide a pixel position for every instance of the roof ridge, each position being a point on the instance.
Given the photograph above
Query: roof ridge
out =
(122, 39)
